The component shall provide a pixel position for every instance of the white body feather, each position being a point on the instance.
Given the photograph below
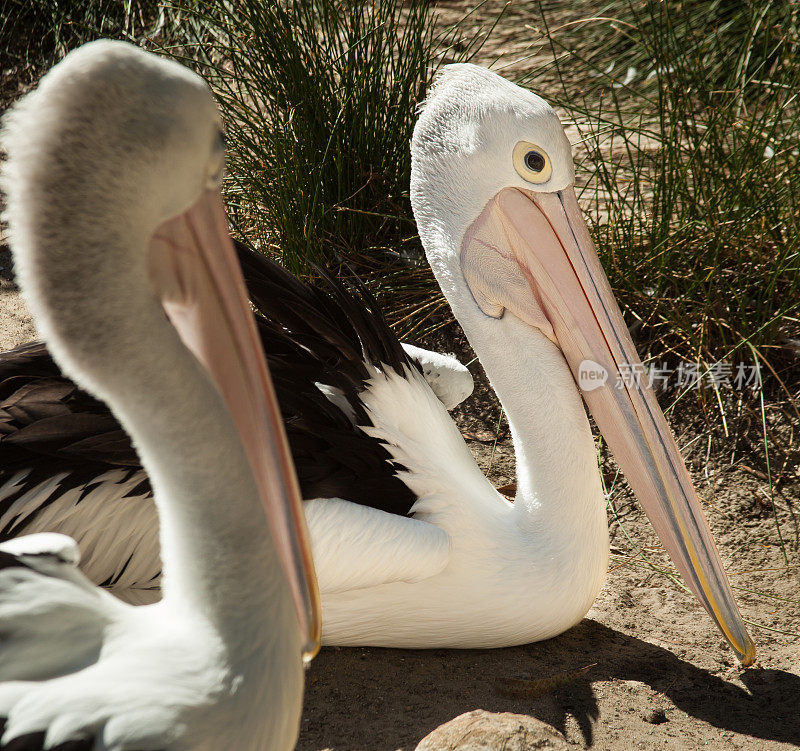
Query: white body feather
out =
(514, 573)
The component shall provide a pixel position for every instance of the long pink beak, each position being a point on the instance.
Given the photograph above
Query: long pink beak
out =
(531, 253)
(194, 269)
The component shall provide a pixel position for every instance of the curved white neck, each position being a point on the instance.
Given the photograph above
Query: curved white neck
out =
(559, 493)
(215, 541)
(216, 547)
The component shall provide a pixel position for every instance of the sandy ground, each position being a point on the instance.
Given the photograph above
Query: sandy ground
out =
(15, 321)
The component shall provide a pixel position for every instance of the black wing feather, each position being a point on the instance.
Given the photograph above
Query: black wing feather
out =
(324, 334)
(35, 742)
(49, 427)
(311, 335)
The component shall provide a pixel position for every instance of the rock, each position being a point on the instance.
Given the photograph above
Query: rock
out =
(480, 730)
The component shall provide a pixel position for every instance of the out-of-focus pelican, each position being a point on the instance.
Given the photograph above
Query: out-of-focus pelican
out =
(115, 216)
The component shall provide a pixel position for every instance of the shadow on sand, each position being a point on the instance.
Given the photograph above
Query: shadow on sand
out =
(381, 699)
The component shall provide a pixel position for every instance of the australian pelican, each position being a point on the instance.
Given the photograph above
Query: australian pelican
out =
(112, 187)
(413, 546)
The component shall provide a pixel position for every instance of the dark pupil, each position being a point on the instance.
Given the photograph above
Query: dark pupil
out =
(534, 161)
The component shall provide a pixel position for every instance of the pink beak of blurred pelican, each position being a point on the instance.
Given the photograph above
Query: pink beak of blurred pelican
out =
(195, 272)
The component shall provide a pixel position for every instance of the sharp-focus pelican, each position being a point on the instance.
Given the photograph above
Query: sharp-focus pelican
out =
(115, 217)
(413, 546)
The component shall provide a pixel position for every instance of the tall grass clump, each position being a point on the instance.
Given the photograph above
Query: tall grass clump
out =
(320, 100)
(690, 130)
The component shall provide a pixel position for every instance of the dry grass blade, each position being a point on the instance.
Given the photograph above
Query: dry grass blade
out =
(320, 100)
(521, 688)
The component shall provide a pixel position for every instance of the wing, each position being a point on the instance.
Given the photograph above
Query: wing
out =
(322, 343)
(332, 354)
(50, 428)
(66, 465)
(357, 546)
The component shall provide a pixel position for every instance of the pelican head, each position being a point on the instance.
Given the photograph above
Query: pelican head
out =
(493, 193)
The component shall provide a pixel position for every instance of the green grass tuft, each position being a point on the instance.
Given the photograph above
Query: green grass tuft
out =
(320, 100)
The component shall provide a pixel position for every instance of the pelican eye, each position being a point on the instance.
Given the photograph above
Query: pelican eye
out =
(217, 165)
(532, 163)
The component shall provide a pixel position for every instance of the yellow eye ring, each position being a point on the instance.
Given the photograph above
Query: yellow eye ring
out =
(532, 163)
